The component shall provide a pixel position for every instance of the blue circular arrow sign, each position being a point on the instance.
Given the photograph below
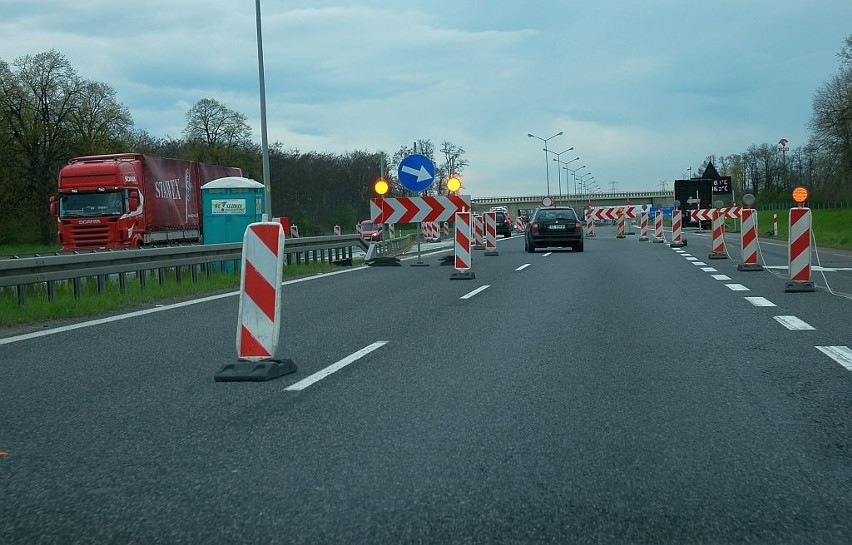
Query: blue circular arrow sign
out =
(416, 172)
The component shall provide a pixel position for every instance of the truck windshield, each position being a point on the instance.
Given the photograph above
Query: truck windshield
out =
(76, 205)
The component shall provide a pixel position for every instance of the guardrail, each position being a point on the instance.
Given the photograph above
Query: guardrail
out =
(19, 273)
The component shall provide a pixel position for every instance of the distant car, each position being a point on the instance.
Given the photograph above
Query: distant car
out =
(504, 224)
(556, 226)
(371, 232)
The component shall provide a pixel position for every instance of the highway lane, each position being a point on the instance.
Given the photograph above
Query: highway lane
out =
(622, 394)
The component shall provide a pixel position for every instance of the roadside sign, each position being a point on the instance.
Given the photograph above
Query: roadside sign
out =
(547, 201)
(416, 172)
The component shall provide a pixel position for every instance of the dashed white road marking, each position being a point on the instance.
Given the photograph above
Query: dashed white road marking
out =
(333, 368)
(840, 354)
(794, 324)
(708, 269)
(698, 263)
(760, 301)
(522, 267)
(474, 292)
(720, 277)
(736, 287)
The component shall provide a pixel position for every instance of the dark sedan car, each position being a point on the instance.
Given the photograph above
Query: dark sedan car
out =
(554, 226)
(504, 224)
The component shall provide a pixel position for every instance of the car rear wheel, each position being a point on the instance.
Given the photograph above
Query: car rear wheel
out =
(578, 247)
(529, 246)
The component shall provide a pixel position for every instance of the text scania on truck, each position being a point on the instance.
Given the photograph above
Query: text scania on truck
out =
(129, 199)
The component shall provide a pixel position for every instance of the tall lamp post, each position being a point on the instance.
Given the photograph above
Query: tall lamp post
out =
(564, 164)
(583, 178)
(574, 174)
(546, 162)
(263, 139)
(559, 170)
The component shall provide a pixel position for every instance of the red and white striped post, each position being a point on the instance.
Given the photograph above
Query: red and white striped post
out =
(392, 230)
(677, 228)
(620, 232)
(446, 229)
(478, 232)
(337, 230)
(799, 242)
(658, 227)
(491, 233)
(748, 236)
(717, 246)
(294, 231)
(590, 223)
(643, 224)
(462, 247)
(260, 307)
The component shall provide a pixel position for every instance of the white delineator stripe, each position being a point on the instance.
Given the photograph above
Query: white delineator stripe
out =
(736, 287)
(794, 324)
(333, 368)
(522, 267)
(840, 354)
(760, 301)
(462, 241)
(799, 251)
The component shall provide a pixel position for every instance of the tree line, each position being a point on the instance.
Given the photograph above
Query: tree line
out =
(823, 164)
(49, 114)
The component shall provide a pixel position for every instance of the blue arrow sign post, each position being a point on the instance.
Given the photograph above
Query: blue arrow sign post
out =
(416, 172)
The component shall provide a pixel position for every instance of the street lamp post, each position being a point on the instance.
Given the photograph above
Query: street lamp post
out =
(546, 162)
(574, 174)
(264, 146)
(558, 170)
(583, 179)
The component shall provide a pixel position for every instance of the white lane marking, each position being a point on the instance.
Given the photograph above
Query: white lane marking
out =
(793, 324)
(545, 254)
(760, 301)
(720, 276)
(684, 254)
(708, 269)
(158, 308)
(698, 263)
(333, 368)
(522, 267)
(840, 354)
(474, 292)
(736, 287)
(690, 258)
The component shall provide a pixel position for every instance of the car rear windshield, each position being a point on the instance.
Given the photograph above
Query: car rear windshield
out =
(551, 215)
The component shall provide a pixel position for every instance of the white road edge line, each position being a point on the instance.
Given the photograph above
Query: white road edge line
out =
(118, 317)
(840, 354)
(333, 368)
(522, 267)
(793, 324)
(474, 292)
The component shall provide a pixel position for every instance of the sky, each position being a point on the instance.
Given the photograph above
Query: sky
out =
(643, 91)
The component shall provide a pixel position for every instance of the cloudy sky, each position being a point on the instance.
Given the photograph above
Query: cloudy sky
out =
(642, 90)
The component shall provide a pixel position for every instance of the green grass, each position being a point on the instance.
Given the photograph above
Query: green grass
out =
(38, 309)
(830, 227)
(29, 249)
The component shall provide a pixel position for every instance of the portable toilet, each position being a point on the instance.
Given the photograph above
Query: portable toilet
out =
(229, 205)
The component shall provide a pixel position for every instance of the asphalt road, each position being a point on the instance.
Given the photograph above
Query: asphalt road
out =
(625, 394)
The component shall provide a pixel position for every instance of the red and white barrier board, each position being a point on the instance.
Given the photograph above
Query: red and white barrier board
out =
(260, 291)
(294, 231)
(462, 258)
(643, 225)
(677, 229)
(799, 242)
(417, 209)
(748, 239)
(590, 224)
(717, 245)
(658, 226)
(491, 233)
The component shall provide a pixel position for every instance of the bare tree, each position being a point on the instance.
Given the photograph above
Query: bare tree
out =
(99, 121)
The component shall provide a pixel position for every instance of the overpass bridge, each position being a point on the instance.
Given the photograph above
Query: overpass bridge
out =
(578, 201)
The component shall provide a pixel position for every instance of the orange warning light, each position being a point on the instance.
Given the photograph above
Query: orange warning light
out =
(800, 195)
(381, 186)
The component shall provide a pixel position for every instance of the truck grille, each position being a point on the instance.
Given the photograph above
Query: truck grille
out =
(90, 235)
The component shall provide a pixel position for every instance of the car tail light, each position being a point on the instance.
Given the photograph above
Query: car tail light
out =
(534, 226)
(578, 227)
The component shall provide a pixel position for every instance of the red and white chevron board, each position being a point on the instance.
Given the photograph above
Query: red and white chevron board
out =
(260, 291)
(417, 209)
(706, 214)
(611, 212)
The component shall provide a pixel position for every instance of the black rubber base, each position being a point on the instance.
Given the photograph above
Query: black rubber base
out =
(249, 371)
(384, 262)
(466, 275)
(799, 287)
(749, 267)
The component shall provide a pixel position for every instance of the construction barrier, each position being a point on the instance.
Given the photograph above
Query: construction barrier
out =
(462, 256)
(620, 233)
(392, 230)
(446, 229)
(717, 246)
(491, 233)
(658, 226)
(337, 230)
(677, 229)
(590, 224)
(748, 238)
(259, 306)
(643, 225)
(294, 231)
(799, 242)
(478, 232)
